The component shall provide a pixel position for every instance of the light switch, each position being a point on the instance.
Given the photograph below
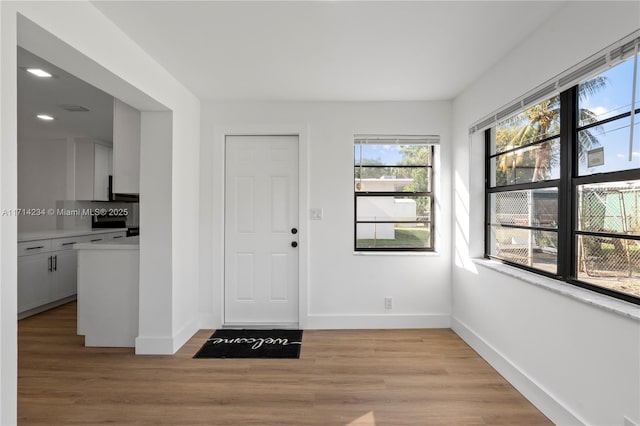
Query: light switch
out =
(316, 214)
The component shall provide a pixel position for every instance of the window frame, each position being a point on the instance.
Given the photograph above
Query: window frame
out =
(567, 184)
(392, 194)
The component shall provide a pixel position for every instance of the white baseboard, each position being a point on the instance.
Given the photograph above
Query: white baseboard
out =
(154, 345)
(39, 309)
(209, 322)
(166, 345)
(335, 322)
(184, 334)
(535, 393)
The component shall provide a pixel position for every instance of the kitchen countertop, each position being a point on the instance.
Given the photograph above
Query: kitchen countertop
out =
(130, 243)
(62, 233)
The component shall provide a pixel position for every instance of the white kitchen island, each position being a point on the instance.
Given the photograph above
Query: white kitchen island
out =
(108, 281)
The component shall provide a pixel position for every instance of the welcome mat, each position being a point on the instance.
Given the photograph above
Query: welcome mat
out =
(252, 344)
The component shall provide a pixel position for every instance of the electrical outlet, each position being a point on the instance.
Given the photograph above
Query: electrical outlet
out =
(388, 302)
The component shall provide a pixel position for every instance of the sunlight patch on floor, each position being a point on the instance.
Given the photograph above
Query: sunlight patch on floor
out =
(367, 420)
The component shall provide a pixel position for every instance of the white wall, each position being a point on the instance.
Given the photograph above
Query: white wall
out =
(8, 224)
(339, 289)
(94, 49)
(578, 363)
(155, 253)
(42, 180)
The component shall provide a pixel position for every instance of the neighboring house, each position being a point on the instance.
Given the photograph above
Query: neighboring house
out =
(381, 208)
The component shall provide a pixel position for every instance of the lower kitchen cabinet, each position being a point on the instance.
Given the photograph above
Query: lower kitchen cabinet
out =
(47, 271)
(64, 277)
(34, 277)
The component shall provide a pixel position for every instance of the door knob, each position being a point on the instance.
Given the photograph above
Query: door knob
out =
(294, 244)
(294, 231)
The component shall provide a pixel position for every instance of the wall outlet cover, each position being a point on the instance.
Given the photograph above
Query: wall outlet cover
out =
(316, 214)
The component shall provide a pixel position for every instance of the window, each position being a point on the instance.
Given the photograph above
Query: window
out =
(393, 190)
(563, 185)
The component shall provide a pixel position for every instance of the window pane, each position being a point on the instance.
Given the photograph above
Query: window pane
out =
(606, 95)
(393, 235)
(392, 155)
(538, 207)
(605, 148)
(537, 249)
(536, 123)
(530, 164)
(392, 179)
(613, 207)
(612, 263)
(408, 208)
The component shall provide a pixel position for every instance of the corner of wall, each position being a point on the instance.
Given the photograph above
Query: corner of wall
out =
(529, 388)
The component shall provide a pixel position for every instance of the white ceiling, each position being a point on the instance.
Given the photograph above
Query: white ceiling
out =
(327, 50)
(45, 95)
(292, 50)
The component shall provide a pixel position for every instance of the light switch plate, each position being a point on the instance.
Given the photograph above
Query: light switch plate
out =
(316, 214)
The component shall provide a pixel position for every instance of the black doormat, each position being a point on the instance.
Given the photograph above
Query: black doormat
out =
(252, 344)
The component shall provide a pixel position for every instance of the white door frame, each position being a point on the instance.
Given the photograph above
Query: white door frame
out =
(301, 131)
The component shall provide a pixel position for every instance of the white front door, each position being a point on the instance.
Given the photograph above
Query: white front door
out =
(261, 230)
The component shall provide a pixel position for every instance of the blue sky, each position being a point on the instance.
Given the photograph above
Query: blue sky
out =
(615, 99)
(387, 154)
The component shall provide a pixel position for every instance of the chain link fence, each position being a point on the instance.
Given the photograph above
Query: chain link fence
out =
(612, 262)
(529, 208)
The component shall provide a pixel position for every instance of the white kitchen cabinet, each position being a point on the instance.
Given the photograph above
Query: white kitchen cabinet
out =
(64, 277)
(33, 281)
(126, 148)
(47, 271)
(64, 265)
(47, 275)
(102, 169)
(93, 167)
(107, 236)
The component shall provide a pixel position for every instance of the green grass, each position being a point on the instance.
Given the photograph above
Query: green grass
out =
(405, 238)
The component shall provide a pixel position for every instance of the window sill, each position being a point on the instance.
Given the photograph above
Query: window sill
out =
(620, 307)
(397, 253)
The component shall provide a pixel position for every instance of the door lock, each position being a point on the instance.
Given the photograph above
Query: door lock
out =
(294, 231)
(294, 244)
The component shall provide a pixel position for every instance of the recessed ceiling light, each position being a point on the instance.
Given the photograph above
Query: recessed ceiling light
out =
(45, 117)
(39, 73)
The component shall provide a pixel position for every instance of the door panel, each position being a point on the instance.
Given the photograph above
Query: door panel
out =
(261, 208)
(244, 276)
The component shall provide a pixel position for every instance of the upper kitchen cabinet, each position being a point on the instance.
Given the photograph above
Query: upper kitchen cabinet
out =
(126, 148)
(103, 163)
(93, 167)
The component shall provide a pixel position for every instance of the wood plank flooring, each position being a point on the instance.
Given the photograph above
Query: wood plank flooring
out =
(345, 377)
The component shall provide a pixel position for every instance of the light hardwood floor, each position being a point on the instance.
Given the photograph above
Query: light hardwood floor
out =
(346, 377)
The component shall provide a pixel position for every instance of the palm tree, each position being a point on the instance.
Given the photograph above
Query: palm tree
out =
(538, 122)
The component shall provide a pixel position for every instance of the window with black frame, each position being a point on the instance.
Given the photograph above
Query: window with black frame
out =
(394, 206)
(522, 195)
(563, 184)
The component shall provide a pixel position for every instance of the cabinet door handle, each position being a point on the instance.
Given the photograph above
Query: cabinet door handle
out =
(68, 244)
(34, 248)
(119, 236)
(50, 263)
(55, 263)
(97, 239)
